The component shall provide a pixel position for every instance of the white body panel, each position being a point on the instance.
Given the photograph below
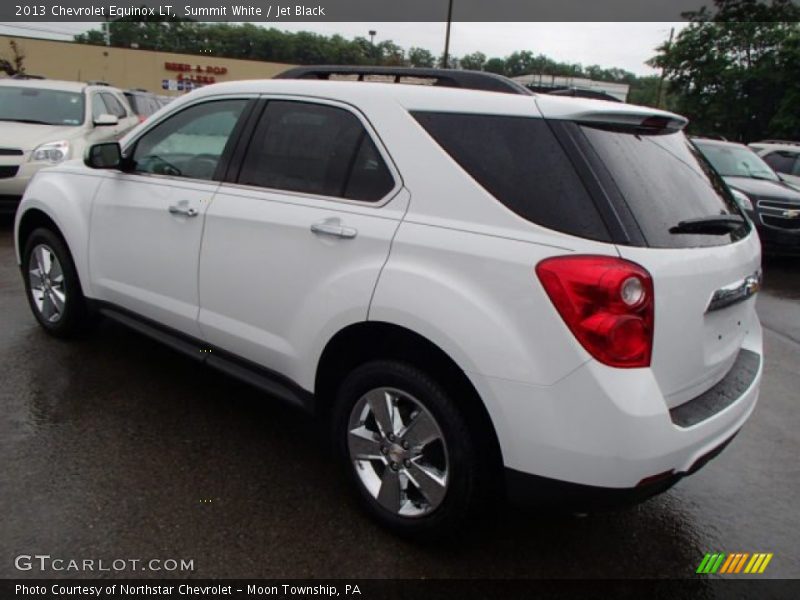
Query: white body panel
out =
(693, 348)
(440, 257)
(274, 292)
(142, 257)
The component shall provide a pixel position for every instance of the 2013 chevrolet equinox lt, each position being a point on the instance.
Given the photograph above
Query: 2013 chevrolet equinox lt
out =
(481, 291)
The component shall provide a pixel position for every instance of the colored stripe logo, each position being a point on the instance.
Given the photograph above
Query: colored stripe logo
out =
(734, 563)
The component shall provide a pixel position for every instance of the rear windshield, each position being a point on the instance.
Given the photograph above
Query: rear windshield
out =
(519, 161)
(664, 180)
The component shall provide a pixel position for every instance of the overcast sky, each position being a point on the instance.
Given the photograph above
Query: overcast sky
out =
(624, 45)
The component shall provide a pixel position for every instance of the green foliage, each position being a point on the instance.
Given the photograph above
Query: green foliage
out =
(420, 57)
(14, 65)
(249, 41)
(474, 61)
(735, 73)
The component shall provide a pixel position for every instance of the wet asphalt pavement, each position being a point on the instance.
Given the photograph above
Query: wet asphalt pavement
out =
(115, 447)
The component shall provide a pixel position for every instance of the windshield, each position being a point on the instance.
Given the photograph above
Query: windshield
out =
(46, 107)
(735, 161)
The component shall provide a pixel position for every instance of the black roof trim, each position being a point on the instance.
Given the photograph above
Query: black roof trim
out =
(471, 80)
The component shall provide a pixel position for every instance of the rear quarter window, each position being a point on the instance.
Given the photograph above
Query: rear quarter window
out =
(519, 161)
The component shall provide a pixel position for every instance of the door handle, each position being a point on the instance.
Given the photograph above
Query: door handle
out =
(180, 209)
(334, 228)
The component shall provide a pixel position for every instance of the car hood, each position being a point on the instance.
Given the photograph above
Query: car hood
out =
(26, 136)
(763, 188)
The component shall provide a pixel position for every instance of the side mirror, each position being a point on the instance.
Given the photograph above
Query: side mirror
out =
(106, 121)
(107, 155)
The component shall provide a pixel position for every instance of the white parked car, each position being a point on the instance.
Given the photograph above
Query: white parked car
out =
(481, 291)
(44, 122)
(783, 157)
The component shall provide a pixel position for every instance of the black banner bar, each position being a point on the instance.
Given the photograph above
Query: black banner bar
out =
(384, 589)
(275, 12)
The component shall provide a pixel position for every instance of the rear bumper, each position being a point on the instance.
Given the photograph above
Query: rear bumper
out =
(531, 490)
(611, 429)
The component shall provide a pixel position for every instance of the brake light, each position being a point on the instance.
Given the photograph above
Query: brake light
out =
(606, 302)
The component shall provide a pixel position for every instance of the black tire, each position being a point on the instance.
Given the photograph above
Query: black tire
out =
(75, 314)
(469, 469)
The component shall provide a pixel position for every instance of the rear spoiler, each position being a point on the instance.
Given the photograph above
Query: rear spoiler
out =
(652, 122)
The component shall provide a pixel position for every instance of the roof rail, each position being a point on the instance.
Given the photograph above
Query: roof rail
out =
(26, 76)
(98, 82)
(471, 80)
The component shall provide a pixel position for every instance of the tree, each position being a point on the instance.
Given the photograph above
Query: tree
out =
(14, 65)
(474, 61)
(495, 65)
(736, 74)
(390, 54)
(420, 57)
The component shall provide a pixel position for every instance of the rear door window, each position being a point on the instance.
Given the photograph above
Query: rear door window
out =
(519, 161)
(315, 149)
(664, 180)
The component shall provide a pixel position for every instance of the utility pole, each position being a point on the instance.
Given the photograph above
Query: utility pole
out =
(445, 58)
(659, 99)
(107, 32)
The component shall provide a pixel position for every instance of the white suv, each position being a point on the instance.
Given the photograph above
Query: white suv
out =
(481, 291)
(43, 122)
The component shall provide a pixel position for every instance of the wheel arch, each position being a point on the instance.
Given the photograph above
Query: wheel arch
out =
(60, 201)
(372, 340)
(32, 219)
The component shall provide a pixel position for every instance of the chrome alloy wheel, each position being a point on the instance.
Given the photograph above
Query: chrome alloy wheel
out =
(398, 452)
(46, 278)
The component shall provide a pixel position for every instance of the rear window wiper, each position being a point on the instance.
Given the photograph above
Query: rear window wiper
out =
(713, 225)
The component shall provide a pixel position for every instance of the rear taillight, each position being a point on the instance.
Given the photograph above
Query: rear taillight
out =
(606, 302)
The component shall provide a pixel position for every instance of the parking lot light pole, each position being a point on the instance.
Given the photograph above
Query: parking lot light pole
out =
(445, 58)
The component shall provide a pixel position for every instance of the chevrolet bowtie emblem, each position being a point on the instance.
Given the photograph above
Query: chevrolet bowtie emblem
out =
(791, 214)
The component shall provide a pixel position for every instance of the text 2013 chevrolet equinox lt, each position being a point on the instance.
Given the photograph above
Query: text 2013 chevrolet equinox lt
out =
(483, 292)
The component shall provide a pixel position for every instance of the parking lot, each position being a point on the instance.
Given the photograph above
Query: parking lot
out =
(115, 447)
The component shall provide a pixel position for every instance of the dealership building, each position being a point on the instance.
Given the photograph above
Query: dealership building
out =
(165, 73)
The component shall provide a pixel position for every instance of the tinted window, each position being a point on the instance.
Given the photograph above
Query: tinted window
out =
(664, 180)
(190, 143)
(519, 161)
(315, 149)
(50, 107)
(782, 162)
(114, 106)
